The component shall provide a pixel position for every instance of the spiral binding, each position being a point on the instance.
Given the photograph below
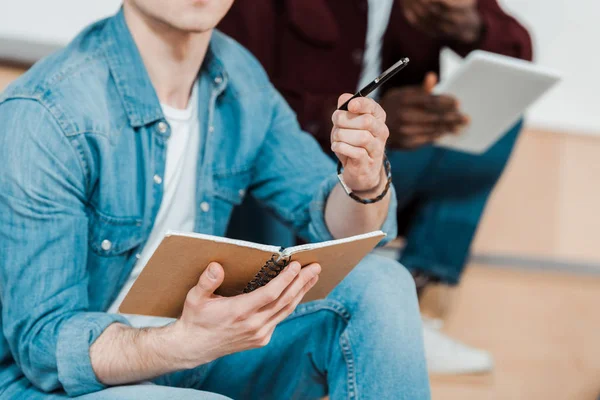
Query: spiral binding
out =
(270, 270)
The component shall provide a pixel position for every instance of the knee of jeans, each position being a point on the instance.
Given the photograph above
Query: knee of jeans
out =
(387, 277)
(492, 163)
(156, 392)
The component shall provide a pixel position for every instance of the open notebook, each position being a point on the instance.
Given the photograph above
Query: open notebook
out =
(180, 259)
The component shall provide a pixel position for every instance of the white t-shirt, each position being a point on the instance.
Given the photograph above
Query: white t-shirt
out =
(178, 207)
(378, 19)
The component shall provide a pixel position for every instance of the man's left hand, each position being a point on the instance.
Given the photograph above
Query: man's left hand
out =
(445, 19)
(358, 139)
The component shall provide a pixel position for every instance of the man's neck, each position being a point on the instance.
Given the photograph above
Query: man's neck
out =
(172, 57)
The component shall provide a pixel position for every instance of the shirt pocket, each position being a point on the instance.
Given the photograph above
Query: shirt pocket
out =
(114, 236)
(229, 190)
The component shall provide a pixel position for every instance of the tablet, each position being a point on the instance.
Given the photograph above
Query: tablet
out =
(494, 91)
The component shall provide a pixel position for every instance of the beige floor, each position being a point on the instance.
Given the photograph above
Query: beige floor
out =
(542, 328)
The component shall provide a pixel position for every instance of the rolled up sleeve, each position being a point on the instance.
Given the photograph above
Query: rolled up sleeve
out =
(75, 337)
(43, 252)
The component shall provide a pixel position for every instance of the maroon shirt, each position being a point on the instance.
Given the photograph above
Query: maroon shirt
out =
(312, 49)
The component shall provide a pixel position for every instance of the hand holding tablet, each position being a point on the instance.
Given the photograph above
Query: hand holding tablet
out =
(494, 91)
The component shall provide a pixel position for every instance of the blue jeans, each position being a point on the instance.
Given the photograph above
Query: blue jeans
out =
(441, 196)
(362, 342)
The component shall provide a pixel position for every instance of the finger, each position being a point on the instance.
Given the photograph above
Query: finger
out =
(449, 28)
(440, 103)
(366, 122)
(453, 128)
(347, 150)
(271, 291)
(285, 312)
(420, 99)
(419, 117)
(343, 98)
(417, 130)
(444, 7)
(415, 116)
(309, 273)
(365, 105)
(209, 281)
(430, 81)
(453, 119)
(426, 20)
(358, 138)
(420, 10)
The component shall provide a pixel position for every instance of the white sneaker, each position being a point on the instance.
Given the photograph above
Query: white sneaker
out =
(450, 357)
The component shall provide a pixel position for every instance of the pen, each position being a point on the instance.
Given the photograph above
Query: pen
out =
(377, 82)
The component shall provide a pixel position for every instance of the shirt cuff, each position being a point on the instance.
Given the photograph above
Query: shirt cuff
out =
(75, 337)
(318, 230)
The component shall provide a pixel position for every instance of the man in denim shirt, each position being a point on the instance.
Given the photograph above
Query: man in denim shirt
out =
(86, 148)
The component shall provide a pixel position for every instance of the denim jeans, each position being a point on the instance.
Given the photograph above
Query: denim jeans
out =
(441, 196)
(362, 342)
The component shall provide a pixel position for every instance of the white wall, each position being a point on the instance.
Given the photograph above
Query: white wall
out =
(30, 29)
(566, 35)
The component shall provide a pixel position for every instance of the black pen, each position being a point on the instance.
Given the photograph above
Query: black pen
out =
(377, 82)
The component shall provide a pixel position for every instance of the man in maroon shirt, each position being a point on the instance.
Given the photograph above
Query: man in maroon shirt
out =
(315, 49)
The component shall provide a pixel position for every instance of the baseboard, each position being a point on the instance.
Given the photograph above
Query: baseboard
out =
(536, 264)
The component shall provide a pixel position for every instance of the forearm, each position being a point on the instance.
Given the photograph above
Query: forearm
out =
(124, 355)
(345, 217)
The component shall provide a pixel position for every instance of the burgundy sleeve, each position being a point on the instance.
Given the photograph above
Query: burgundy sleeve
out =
(502, 34)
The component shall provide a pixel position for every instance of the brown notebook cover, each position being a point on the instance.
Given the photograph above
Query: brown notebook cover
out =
(180, 259)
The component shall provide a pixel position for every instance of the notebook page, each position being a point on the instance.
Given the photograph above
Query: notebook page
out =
(220, 239)
(312, 246)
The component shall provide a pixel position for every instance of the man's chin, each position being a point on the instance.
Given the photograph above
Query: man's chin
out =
(195, 27)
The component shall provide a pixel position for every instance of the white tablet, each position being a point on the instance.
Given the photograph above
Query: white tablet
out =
(494, 91)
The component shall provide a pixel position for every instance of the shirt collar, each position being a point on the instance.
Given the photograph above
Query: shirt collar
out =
(131, 78)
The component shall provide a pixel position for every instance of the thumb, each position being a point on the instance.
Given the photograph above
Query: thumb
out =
(343, 98)
(430, 81)
(210, 280)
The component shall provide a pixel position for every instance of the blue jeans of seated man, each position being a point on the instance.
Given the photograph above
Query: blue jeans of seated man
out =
(362, 342)
(441, 196)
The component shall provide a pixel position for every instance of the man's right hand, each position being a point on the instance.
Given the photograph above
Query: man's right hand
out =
(417, 117)
(213, 326)
(445, 19)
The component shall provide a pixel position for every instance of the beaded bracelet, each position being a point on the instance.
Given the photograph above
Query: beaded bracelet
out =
(353, 196)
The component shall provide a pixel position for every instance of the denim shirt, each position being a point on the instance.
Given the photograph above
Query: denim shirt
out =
(82, 147)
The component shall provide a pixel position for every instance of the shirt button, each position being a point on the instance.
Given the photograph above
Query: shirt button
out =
(204, 206)
(242, 192)
(138, 256)
(162, 127)
(218, 80)
(157, 179)
(357, 56)
(211, 129)
(106, 245)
